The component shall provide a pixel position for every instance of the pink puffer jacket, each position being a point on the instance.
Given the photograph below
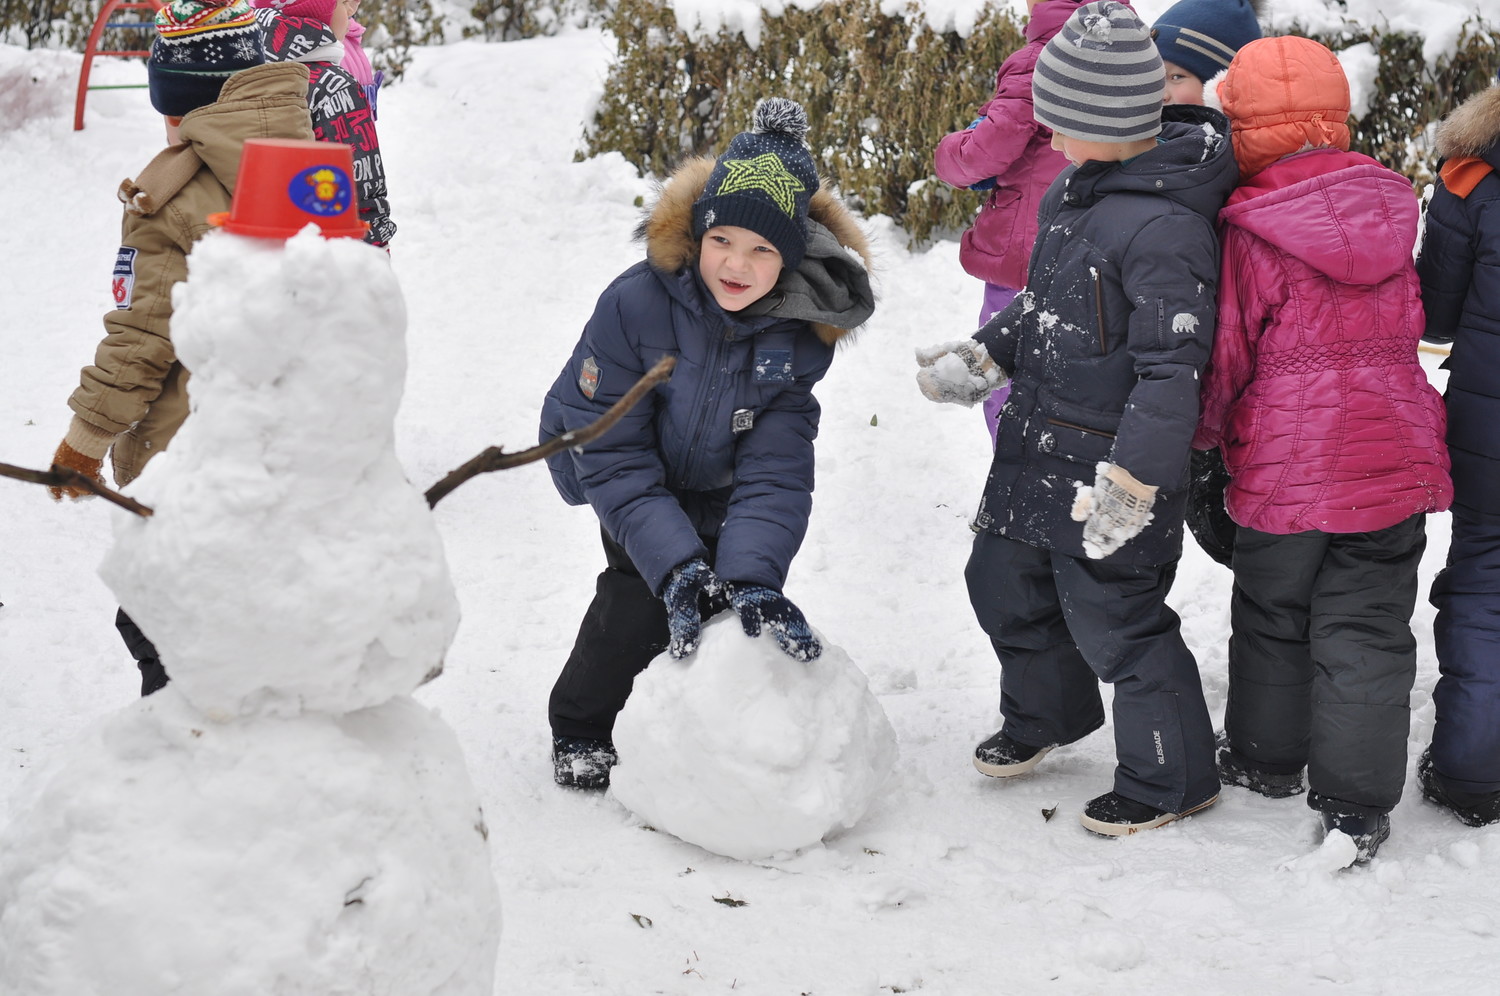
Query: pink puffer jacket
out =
(1314, 393)
(1009, 146)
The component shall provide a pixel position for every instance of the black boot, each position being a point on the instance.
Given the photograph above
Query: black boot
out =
(153, 676)
(579, 762)
(1477, 809)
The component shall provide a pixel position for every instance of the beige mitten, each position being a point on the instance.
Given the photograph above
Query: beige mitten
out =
(1113, 511)
(958, 373)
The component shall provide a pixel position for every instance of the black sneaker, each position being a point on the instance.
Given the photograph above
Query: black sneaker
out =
(1002, 757)
(1477, 809)
(1369, 832)
(1234, 769)
(1113, 815)
(578, 762)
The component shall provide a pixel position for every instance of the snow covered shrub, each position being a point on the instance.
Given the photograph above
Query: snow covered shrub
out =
(1408, 95)
(881, 85)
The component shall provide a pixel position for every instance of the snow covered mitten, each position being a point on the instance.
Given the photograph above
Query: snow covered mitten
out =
(82, 449)
(958, 373)
(687, 581)
(757, 605)
(1113, 511)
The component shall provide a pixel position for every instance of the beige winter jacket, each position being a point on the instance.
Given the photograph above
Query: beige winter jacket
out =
(134, 395)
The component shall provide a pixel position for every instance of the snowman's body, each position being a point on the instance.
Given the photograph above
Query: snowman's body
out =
(283, 817)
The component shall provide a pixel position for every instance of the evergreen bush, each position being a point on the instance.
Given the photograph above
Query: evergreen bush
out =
(881, 87)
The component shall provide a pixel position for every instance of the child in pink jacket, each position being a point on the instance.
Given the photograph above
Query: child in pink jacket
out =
(1333, 439)
(1008, 153)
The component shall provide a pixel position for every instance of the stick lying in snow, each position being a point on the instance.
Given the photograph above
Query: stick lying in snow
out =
(62, 477)
(495, 458)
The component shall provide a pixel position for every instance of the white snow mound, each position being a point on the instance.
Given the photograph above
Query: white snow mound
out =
(747, 753)
(311, 856)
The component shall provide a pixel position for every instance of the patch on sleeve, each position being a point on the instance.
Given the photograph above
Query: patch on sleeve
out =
(1184, 323)
(773, 366)
(588, 377)
(122, 281)
(743, 420)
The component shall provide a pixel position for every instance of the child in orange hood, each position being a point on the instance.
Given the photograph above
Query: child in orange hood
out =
(1333, 439)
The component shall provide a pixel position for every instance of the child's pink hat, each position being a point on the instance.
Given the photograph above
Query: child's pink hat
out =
(313, 10)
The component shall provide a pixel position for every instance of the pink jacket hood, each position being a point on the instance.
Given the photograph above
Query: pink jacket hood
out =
(1352, 232)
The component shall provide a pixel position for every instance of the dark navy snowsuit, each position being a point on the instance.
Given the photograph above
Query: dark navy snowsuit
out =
(1105, 349)
(1460, 272)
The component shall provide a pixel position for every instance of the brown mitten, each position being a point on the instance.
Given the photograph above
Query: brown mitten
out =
(82, 449)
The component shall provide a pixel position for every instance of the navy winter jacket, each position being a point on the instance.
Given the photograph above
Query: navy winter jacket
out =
(1106, 346)
(1460, 273)
(725, 447)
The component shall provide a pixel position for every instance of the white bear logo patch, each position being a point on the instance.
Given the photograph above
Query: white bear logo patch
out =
(1184, 323)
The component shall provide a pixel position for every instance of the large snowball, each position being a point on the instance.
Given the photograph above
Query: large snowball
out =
(290, 565)
(747, 753)
(303, 857)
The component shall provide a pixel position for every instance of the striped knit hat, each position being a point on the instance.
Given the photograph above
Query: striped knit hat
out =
(1100, 78)
(1202, 36)
(200, 44)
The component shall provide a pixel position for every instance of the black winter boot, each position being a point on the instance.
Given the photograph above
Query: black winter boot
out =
(1473, 808)
(1002, 757)
(1113, 815)
(579, 762)
(1236, 769)
(1368, 830)
(153, 676)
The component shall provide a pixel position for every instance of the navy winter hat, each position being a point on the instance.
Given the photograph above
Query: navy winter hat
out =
(1202, 36)
(199, 44)
(764, 181)
(1100, 79)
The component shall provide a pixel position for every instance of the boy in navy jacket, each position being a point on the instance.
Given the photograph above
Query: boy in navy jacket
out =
(703, 491)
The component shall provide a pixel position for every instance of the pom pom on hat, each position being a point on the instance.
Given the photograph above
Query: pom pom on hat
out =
(1100, 78)
(199, 44)
(764, 181)
(1202, 36)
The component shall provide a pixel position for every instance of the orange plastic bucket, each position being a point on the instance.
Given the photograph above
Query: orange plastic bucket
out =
(286, 183)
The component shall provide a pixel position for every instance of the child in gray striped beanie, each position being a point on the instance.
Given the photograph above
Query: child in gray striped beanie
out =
(1100, 78)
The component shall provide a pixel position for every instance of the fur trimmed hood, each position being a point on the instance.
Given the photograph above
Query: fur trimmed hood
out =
(667, 231)
(1473, 129)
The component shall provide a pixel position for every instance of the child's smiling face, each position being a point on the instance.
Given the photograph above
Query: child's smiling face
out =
(738, 266)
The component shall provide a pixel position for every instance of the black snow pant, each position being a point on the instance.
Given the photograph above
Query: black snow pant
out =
(1466, 700)
(623, 631)
(1322, 659)
(1062, 624)
(153, 676)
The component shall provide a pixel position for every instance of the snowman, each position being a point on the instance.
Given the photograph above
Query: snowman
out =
(284, 817)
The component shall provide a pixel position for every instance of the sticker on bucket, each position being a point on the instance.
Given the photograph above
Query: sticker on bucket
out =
(324, 191)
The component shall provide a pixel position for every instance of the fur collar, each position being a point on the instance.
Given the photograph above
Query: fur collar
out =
(1473, 128)
(668, 227)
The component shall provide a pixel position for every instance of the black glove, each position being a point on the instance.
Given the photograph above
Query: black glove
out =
(757, 604)
(686, 582)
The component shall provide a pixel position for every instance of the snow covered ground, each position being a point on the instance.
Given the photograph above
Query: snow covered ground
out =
(952, 883)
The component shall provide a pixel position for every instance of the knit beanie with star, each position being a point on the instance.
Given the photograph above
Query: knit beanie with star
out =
(764, 181)
(1100, 79)
(199, 44)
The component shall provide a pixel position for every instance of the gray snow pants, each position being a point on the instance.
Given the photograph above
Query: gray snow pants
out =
(1060, 625)
(1322, 659)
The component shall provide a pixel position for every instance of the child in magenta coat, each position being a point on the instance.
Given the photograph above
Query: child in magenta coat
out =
(1333, 439)
(1007, 152)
